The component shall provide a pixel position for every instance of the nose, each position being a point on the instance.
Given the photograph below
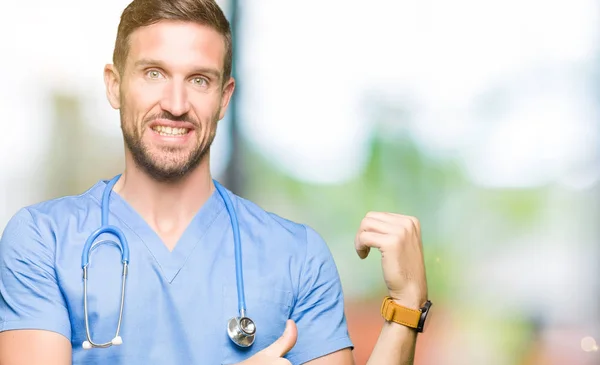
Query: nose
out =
(175, 98)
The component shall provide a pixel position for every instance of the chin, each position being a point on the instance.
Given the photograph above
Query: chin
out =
(166, 175)
(166, 163)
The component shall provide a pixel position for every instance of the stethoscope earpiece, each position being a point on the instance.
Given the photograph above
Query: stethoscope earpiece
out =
(242, 331)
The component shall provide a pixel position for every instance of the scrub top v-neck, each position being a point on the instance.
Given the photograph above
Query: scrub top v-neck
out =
(169, 262)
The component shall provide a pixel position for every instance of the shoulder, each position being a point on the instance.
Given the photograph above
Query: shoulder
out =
(83, 200)
(253, 215)
(46, 217)
(298, 239)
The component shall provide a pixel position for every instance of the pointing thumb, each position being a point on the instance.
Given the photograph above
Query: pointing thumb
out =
(285, 343)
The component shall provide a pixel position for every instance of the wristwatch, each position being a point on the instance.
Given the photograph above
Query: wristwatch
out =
(413, 318)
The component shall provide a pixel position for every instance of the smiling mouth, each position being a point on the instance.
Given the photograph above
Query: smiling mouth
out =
(170, 131)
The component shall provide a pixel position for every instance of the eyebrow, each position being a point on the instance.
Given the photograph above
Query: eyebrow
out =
(147, 62)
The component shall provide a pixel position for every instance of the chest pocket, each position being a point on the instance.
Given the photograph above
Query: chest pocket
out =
(269, 308)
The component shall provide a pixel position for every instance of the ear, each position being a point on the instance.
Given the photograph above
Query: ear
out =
(112, 81)
(226, 97)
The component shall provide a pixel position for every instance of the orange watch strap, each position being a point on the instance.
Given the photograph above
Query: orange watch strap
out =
(394, 312)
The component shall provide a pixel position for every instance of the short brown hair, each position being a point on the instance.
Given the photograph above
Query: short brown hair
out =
(140, 13)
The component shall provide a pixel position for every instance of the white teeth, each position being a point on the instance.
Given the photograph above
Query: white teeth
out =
(168, 131)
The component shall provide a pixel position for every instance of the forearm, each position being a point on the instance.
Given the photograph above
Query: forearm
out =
(398, 238)
(395, 346)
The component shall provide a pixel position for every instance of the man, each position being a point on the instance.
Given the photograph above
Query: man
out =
(171, 83)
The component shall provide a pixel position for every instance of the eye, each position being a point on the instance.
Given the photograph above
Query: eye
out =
(200, 81)
(154, 74)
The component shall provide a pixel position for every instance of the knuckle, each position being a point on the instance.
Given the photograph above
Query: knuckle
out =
(406, 231)
(416, 222)
(411, 223)
(365, 221)
(371, 214)
(400, 236)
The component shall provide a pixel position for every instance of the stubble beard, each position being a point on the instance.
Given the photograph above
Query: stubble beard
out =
(174, 168)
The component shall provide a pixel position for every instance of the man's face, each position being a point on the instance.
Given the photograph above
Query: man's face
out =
(171, 96)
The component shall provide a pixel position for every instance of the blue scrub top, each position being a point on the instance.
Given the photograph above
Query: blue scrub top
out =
(177, 303)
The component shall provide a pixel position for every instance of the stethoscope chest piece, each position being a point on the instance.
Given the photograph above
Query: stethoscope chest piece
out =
(242, 331)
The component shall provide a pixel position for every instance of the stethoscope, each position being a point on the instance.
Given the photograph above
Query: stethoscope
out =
(241, 329)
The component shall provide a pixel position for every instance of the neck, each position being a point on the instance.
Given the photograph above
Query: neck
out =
(168, 207)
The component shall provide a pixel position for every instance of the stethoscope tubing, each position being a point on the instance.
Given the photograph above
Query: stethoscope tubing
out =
(124, 246)
(237, 246)
(105, 228)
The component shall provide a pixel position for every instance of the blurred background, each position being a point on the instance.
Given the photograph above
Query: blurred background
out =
(478, 117)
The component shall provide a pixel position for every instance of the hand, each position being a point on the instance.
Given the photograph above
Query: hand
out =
(273, 355)
(398, 237)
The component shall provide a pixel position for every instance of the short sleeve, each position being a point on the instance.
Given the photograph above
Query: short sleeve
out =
(30, 297)
(319, 308)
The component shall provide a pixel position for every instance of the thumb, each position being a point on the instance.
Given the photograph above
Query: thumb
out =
(285, 343)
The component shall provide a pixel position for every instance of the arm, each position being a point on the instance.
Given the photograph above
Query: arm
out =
(34, 347)
(396, 345)
(398, 238)
(34, 321)
(317, 332)
(342, 357)
(319, 309)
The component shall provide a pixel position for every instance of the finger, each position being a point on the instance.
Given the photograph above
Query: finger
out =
(365, 240)
(382, 216)
(363, 252)
(372, 224)
(393, 218)
(416, 224)
(285, 343)
(396, 220)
